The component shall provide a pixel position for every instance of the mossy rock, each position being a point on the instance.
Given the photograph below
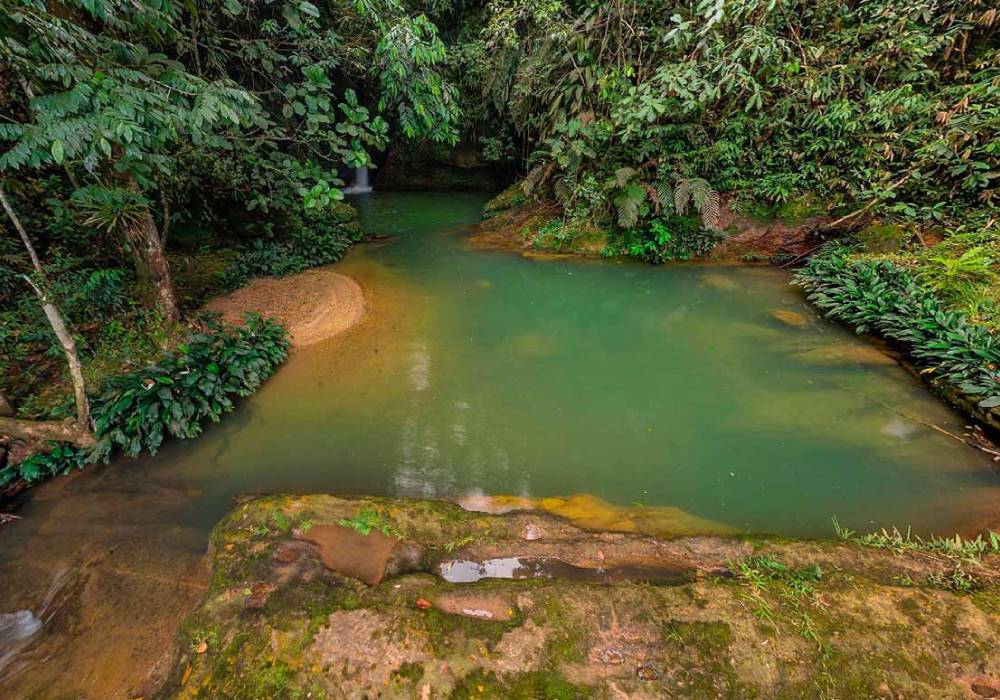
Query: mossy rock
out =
(798, 209)
(276, 623)
(343, 213)
(883, 238)
(511, 197)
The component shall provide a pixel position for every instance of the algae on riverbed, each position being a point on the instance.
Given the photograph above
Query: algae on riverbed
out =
(752, 619)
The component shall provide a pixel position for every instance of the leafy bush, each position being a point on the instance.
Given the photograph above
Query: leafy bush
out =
(554, 235)
(320, 243)
(959, 278)
(135, 411)
(872, 102)
(877, 295)
(667, 239)
(44, 465)
(200, 380)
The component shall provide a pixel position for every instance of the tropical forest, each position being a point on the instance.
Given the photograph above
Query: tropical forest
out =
(541, 349)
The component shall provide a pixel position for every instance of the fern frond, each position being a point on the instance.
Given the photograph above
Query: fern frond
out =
(623, 176)
(682, 196)
(628, 211)
(627, 204)
(532, 178)
(706, 200)
(562, 187)
(711, 210)
(661, 193)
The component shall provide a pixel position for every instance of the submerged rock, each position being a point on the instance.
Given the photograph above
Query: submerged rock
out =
(589, 511)
(723, 282)
(846, 353)
(789, 318)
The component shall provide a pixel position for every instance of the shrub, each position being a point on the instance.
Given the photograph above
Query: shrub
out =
(200, 380)
(960, 279)
(511, 197)
(320, 243)
(668, 239)
(876, 295)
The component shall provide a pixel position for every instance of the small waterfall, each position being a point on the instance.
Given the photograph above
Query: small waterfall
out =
(359, 185)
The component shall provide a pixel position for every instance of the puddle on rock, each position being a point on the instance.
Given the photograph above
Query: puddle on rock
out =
(467, 571)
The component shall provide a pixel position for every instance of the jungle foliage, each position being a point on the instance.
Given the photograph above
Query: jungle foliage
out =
(136, 411)
(136, 133)
(630, 109)
(149, 145)
(876, 295)
(631, 112)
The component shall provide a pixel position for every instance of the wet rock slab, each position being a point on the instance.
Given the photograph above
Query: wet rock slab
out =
(550, 610)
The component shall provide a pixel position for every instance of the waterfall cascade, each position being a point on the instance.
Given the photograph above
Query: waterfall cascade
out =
(359, 184)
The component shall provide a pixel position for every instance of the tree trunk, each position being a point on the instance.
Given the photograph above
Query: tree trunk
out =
(72, 358)
(55, 320)
(147, 246)
(12, 215)
(39, 431)
(6, 410)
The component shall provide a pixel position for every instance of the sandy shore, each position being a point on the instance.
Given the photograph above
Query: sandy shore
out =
(313, 305)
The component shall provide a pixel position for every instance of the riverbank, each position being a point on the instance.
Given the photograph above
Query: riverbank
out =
(288, 610)
(532, 226)
(312, 306)
(277, 281)
(462, 379)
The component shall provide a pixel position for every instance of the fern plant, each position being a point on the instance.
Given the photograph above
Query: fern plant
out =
(697, 192)
(959, 279)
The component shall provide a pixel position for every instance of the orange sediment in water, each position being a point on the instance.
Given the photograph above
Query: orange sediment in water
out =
(589, 511)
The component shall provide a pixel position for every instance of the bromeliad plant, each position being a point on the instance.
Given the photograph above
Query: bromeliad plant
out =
(878, 296)
(174, 397)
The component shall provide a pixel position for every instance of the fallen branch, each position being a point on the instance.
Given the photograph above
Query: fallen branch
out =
(838, 223)
(64, 431)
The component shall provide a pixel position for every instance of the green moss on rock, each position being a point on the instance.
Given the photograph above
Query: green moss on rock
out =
(276, 623)
(883, 238)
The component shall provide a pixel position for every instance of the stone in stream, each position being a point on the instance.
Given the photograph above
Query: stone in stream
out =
(723, 282)
(845, 353)
(789, 318)
(483, 606)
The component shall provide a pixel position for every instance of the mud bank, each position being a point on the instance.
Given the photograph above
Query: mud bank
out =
(313, 305)
(575, 616)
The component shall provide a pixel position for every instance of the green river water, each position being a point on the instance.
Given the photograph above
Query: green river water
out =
(484, 372)
(638, 384)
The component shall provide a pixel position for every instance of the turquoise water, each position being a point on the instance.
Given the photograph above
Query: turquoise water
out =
(485, 372)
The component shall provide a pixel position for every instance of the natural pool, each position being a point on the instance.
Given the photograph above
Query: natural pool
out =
(482, 372)
(485, 372)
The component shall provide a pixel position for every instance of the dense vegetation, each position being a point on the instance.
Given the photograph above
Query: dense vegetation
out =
(149, 146)
(198, 381)
(155, 153)
(631, 109)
